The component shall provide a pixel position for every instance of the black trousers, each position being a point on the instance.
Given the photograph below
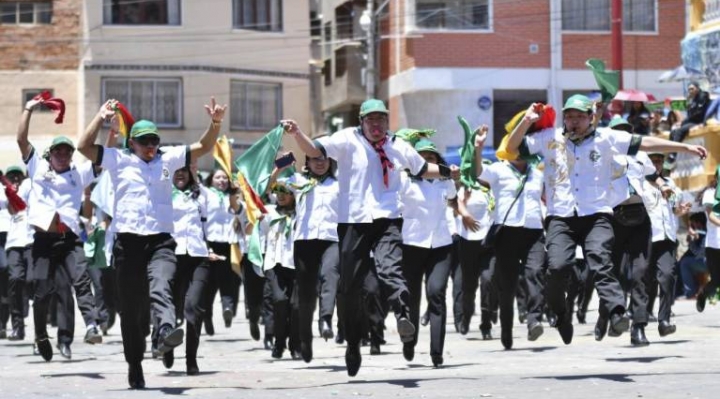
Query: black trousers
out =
(4, 282)
(19, 261)
(145, 270)
(54, 267)
(457, 278)
(223, 279)
(315, 260)
(478, 264)
(595, 234)
(519, 251)
(712, 258)
(581, 286)
(282, 284)
(253, 286)
(632, 248)
(101, 307)
(662, 266)
(434, 265)
(195, 273)
(384, 239)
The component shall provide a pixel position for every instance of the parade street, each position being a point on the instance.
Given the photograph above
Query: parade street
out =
(683, 365)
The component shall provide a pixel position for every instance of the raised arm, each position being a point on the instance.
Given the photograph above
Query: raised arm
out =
(86, 144)
(24, 127)
(517, 135)
(302, 140)
(656, 144)
(208, 139)
(479, 143)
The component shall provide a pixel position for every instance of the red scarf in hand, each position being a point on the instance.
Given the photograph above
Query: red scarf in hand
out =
(386, 164)
(54, 104)
(14, 199)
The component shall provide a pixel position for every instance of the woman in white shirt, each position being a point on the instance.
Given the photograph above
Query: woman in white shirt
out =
(427, 248)
(712, 243)
(279, 267)
(221, 231)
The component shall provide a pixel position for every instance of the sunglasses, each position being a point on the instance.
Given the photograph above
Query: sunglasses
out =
(147, 141)
(281, 190)
(318, 159)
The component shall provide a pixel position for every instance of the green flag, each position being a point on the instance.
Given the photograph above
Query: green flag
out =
(468, 175)
(608, 81)
(257, 163)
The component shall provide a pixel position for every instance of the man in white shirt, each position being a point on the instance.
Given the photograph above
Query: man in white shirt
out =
(144, 250)
(577, 176)
(369, 165)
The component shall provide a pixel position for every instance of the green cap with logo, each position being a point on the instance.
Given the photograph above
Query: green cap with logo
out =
(61, 140)
(373, 105)
(578, 102)
(619, 123)
(14, 169)
(426, 145)
(143, 128)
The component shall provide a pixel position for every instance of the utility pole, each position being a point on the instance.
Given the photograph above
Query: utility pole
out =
(369, 13)
(616, 25)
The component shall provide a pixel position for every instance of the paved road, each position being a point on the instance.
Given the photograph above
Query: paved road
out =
(684, 365)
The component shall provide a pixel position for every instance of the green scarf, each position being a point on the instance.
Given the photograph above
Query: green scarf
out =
(283, 217)
(413, 135)
(220, 194)
(468, 170)
(303, 189)
(177, 193)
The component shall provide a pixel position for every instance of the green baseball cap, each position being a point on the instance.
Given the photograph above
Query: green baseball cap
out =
(14, 169)
(618, 122)
(143, 128)
(61, 140)
(578, 102)
(373, 105)
(426, 145)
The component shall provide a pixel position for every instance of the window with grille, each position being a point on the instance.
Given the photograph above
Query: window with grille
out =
(255, 105)
(581, 15)
(452, 14)
(145, 12)
(29, 94)
(262, 15)
(156, 99)
(25, 12)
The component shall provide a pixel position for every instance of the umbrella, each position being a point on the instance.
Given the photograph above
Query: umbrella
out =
(680, 73)
(633, 95)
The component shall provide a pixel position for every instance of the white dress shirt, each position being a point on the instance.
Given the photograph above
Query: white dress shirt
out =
(188, 216)
(424, 204)
(477, 203)
(662, 211)
(712, 239)
(505, 181)
(578, 177)
(4, 214)
(360, 175)
(316, 210)
(629, 176)
(278, 243)
(222, 222)
(21, 234)
(143, 190)
(56, 193)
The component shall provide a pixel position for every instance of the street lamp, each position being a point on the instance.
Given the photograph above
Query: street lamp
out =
(367, 24)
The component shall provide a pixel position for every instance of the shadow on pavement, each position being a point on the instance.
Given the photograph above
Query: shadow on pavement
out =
(649, 359)
(92, 376)
(539, 349)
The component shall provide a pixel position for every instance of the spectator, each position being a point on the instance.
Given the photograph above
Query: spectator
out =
(639, 118)
(697, 105)
(693, 269)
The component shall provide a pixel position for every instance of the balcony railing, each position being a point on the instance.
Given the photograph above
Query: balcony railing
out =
(691, 173)
(712, 11)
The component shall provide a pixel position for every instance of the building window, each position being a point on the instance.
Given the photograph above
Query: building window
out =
(29, 94)
(255, 106)
(581, 15)
(263, 15)
(25, 12)
(158, 100)
(146, 12)
(452, 14)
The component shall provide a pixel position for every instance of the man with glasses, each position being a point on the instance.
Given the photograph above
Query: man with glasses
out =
(144, 250)
(369, 165)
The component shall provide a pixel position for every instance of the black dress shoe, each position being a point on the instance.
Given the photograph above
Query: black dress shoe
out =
(581, 317)
(277, 352)
(700, 301)
(464, 327)
(192, 367)
(295, 354)
(65, 350)
(601, 327)
(535, 330)
(506, 338)
(44, 348)
(168, 359)
(522, 317)
(406, 329)
(665, 328)
(306, 351)
(254, 331)
(652, 318)
(458, 325)
(209, 327)
(619, 323)
(227, 317)
(3, 334)
(92, 336)
(425, 319)
(17, 334)
(374, 348)
(494, 317)
(340, 337)
(409, 351)
(486, 334)
(437, 360)
(136, 379)
(169, 338)
(637, 336)
(326, 330)
(353, 359)
(268, 342)
(565, 328)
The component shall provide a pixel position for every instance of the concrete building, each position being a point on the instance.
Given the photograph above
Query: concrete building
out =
(488, 59)
(164, 59)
